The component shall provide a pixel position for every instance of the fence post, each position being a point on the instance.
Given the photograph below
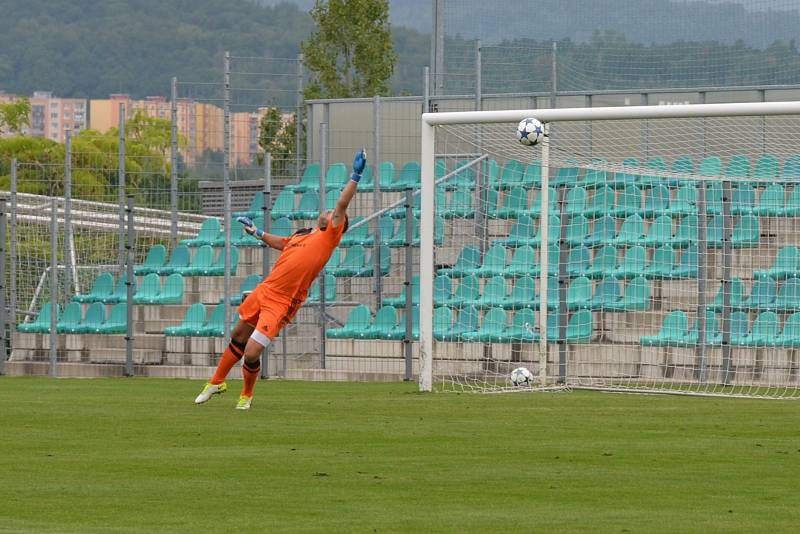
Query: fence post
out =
(226, 183)
(426, 89)
(298, 118)
(323, 165)
(266, 253)
(727, 233)
(70, 274)
(554, 76)
(478, 78)
(376, 199)
(563, 280)
(702, 270)
(409, 334)
(53, 284)
(129, 250)
(121, 186)
(4, 326)
(173, 171)
(13, 242)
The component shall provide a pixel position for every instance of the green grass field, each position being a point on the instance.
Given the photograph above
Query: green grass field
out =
(135, 455)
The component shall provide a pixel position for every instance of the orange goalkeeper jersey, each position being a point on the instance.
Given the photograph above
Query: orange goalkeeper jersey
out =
(304, 255)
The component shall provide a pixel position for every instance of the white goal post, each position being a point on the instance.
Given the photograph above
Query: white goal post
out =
(552, 118)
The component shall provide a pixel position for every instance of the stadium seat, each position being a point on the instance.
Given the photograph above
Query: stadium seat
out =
(767, 167)
(358, 235)
(408, 177)
(685, 201)
(367, 183)
(442, 322)
(442, 289)
(331, 198)
(70, 319)
(41, 324)
(739, 327)
(352, 264)
(604, 263)
(771, 202)
(512, 175)
(384, 323)
(491, 327)
(466, 291)
(631, 232)
(309, 181)
(629, 202)
(151, 291)
(369, 266)
(209, 231)
(179, 260)
(102, 289)
(580, 327)
(521, 328)
(243, 239)
(193, 322)
(399, 331)
(255, 208)
(121, 290)
(604, 232)
(763, 333)
(495, 293)
(633, 263)
(460, 204)
(712, 334)
(629, 175)
(92, 322)
(523, 294)
(308, 208)
(117, 321)
(248, 285)
(400, 300)
(553, 232)
(746, 233)
(576, 201)
(577, 230)
(596, 178)
(606, 295)
(466, 322)
(357, 321)
(662, 264)
(788, 298)
(522, 233)
(148, 290)
(659, 233)
(553, 296)
(636, 296)
(281, 227)
(714, 196)
(656, 201)
(330, 289)
(336, 177)
(468, 261)
(673, 331)
(565, 177)
(687, 266)
(786, 264)
(710, 166)
(204, 263)
(686, 234)
(494, 262)
(533, 175)
(656, 164)
(154, 260)
(515, 203)
(714, 232)
(535, 209)
(579, 293)
(578, 261)
(215, 327)
(552, 329)
(762, 295)
(736, 296)
(284, 203)
(738, 166)
(791, 168)
(790, 335)
(490, 171)
(398, 239)
(681, 165)
(744, 200)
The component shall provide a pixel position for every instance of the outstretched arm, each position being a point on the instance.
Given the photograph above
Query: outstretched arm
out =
(271, 240)
(349, 191)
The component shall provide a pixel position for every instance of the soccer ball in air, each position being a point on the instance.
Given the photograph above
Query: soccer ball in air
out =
(530, 131)
(521, 377)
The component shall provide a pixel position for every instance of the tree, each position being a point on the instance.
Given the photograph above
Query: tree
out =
(351, 54)
(15, 115)
(277, 136)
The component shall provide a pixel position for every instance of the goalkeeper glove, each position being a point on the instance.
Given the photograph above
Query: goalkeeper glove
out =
(250, 227)
(359, 162)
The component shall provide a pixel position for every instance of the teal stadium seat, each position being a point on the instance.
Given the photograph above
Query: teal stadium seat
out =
(93, 320)
(491, 327)
(771, 202)
(248, 285)
(400, 300)
(215, 327)
(595, 178)
(356, 235)
(686, 234)
(442, 322)
(41, 324)
(657, 201)
(353, 262)
(308, 208)
(284, 204)
(604, 263)
(208, 233)
(494, 262)
(523, 262)
(357, 321)
(117, 321)
(659, 233)
(193, 322)
(70, 319)
(178, 261)
(790, 335)
(535, 209)
(442, 289)
(673, 331)
(522, 233)
(399, 331)
(565, 177)
(369, 266)
(636, 296)
(121, 290)
(281, 227)
(495, 293)
(256, 207)
(744, 200)
(330, 289)
(788, 299)
(512, 175)
(521, 328)
(633, 263)
(154, 260)
(575, 201)
(606, 295)
(579, 293)
(685, 201)
(662, 264)
(687, 266)
(523, 294)
(763, 333)
(102, 289)
(577, 230)
(786, 264)
(604, 232)
(515, 203)
(629, 202)
(467, 263)
(533, 175)
(578, 261)
(460, 205)
(762, 295)
(553, 232)
(466, 322)
(467, 290)
(382, 326)
(308, 182)
(631, 232)
(736, 296)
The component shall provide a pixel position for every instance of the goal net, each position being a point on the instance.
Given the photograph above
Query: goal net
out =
(633, 249)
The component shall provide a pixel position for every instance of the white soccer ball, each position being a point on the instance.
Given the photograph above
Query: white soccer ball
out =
(530, 131)
(521, 377)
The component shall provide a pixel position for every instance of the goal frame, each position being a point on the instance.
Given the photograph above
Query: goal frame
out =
(429, 121)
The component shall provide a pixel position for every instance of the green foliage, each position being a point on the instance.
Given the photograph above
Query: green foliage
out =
(278, 137)
(15, 115)
(351, 54)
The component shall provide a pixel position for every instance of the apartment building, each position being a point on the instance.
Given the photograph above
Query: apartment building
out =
(52, 117)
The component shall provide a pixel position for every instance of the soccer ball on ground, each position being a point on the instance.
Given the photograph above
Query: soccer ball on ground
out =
(530, 131)
(521, 377)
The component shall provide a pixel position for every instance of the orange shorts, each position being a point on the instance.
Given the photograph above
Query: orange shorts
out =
(268, 311)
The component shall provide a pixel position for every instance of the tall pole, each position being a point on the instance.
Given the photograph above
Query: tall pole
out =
(265, 256)
(544, 261)
(13, 242)
(298, 118)
(227, 188)
(130, 243)
(173, 169)
(70, 274)
(323, 165)
(426, 89)
(121, 186)
(376, 199)
(409, 261)
(478, 78)
(53, 284)
(437, 58)
(554, 76)
(3, 316)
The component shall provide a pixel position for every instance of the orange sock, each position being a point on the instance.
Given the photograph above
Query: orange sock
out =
(232, 354)
(250, 374)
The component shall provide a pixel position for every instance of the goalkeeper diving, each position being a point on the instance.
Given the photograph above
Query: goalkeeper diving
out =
(275, 301)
